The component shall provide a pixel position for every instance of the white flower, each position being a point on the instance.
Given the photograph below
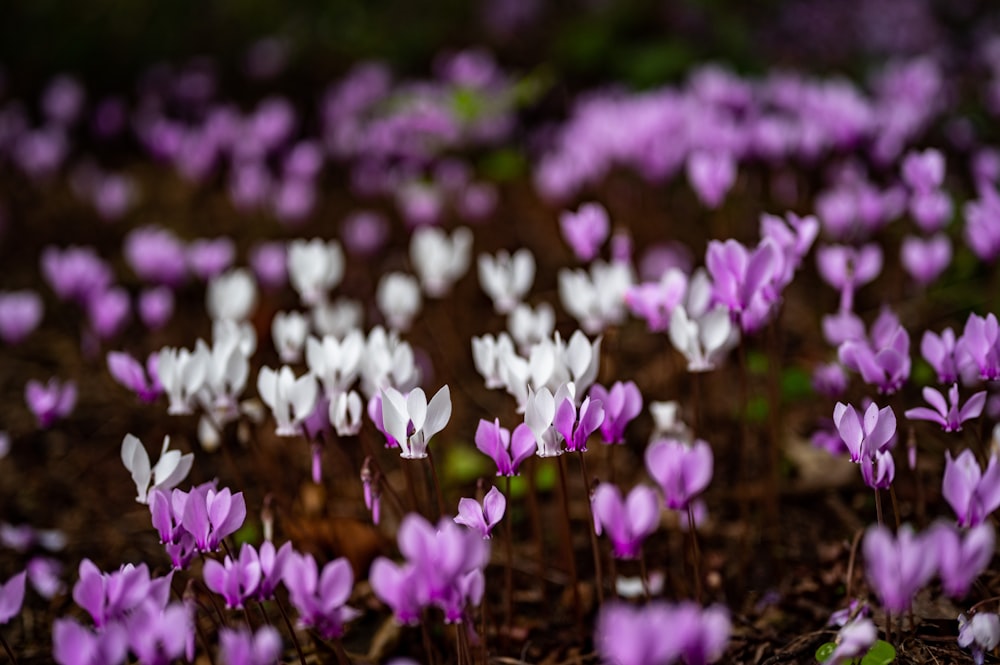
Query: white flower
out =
(387, 361)
(345, 413)
(337, 318)
(208, 434)
(529, 326)
(182, 374)
(506, 279)
(596, 299)
(232, 295)
(488, 356)
(399, 412)
(539, 412)
(314, 268)
(291, 400)
(289, 330)
(666, 421)
(225, 379)
(335, 362)
(438, 260)
(702, 340)
(170, 469)
(398, 298)
(240, 333)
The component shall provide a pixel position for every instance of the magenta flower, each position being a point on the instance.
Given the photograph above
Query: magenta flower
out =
(108, 311)
(239, 647)
(585, 230)
(159, 635)
(682, 471)
(506, 450)
(210, 515)
(846, 268)
(941, 353)
(50, 402)
(971, 492)
(12, 597)
(948, 414)
(979, 345)
(156, 306)
(208, 258)
(236, 581)
(272, 567)
(627, 522)
(865, 436)
(320, 597)
(20, 314)
(741, 278)
(925, 260)
(853, 640)
(156, 255)
(923, 171)
(829, 380)
(898, 567)
(662, 634)
(482, 517)
(655, 301)
(127, 371)
(621, 405)
(575, 432)
(962, 559)
(399, 587)
(883, 360)
(111, 597)
(73, 644)
(75, 273)
(711, 175)
(269, 263)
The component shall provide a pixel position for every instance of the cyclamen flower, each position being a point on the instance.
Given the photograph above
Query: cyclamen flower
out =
(656, 301)
(272, 567)
(941, 353)
(398, 298)
(868, 436)
(12, 597)
(948, 414)
(884, 359)
(925, 260)
(711, 175)
(662, 634)
(704, 339)
(853, 640)
(506, 278)
(596, 298)
(291, 399)
(208, 258)
(682, 471)
(20, 314)
(345, 413)
(73, 644)
(506, 450)
(400, 413)
(156, 306)
(627, 522)
(438, 260)
(622, 403)
(585, 230)
(898, 566)
(50, 402)
(482, 517)
(979, 345)
(232, 295)
(741, 278)
(981, 633)
(170, 469)
(156, 255)
(110, 597)
(971, 492)
(239, 647)
(320, 597)
(75, 273)
(159, 635)
(236, 581)
(529, 326)
(314, 268)
(182, 374)
(575, 432)
(963, 557)
(846, 268)
(207, 515)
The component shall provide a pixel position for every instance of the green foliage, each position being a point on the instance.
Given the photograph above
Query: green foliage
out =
(881, 653)
(757, 408)
(796, 384)
(464, 464)
(503, 165)
(757, 363)
(247, 533)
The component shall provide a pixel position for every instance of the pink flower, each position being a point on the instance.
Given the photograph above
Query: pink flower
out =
(482, 518)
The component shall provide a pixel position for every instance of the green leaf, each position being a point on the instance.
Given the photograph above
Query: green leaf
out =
(757, 408)
(824, 651)
(545, 477)
(246, 533)
(464, 464)
(796, 384)
(503, 165)
(881, 653)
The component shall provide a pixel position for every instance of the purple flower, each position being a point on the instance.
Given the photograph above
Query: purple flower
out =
(159, 635)
(127, 371)
(655, 301)
(320, 597)
(506, 450)
(210, 515)
(741, 278)
(925, 260)
(239, 647)
(660, 633)
(109, 311)
(846, 268)
(44, 572)
(982, 223)
(829, 380)
(482, 518)
(971, 492)
(156, 306)
(236, 581)
(923, 171)
(864, 437)
(269, 263)
(931, 210)
(156, 255)
(591, 416)
(399, 587)
(12, 597)
(962, 559)
(898, 567)
(75, 273)
(272, 567)
(110, 597)
(681, 471)
(20, 314)
(854, 640)
(979, 345)
(704, 633)
(73, 644)
(585, 230)
(883, 360)
(50, 402)
(711, 175)
(208, 258)
(981, 633)
(364, 232)
(941, 353)
(627, 522)
(948, 414)
(621, 405)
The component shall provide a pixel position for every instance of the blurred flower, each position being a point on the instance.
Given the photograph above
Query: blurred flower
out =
(50, 402)
(320, 597)
(438, 260)
(711, 174)
(682, 471)
(210, 257)
(291, 399)
(627, 522)
(314, 268)
(853, 641)
(506, 278)
(979, 634)
(925, 260)
(962, 558)
(941, 353)
(20, 314)
(585, 230)
(622, 403)
(972, 493)
(156, 306)
(898, 566)
(239, 647)
(12, 597)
